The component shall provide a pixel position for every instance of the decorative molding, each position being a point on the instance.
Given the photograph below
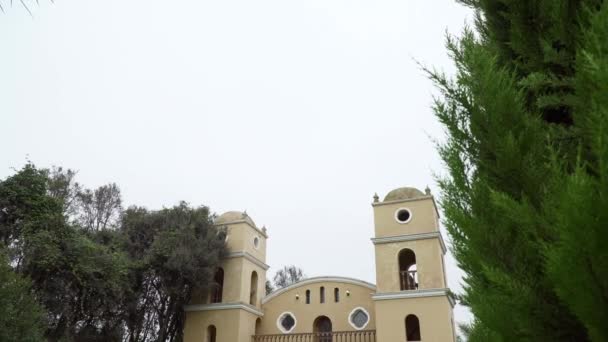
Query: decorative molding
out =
(425, 197)
(224, 306)
(258, 230)
(416, 294)
(249, 257)
(411, 237)
(315, 280)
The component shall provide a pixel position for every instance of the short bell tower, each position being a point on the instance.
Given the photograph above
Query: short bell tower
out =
(412, 301)
(231, 311)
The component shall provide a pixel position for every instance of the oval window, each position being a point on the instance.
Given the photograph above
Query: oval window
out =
(256, 242)
(403, 215)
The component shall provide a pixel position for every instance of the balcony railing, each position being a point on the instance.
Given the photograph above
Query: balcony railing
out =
(409, 280)
(337, 336)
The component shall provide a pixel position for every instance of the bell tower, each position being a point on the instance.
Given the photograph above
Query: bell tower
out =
(232, 309)
(412, 301)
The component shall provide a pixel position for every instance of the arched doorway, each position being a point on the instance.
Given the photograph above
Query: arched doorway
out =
(322, 329)
(408, 272)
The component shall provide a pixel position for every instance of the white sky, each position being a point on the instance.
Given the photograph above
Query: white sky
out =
(297, 111)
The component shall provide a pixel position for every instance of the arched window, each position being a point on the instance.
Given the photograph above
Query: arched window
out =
(408, 276)
(322, 294)
(412, 328)
(211, 332)
(258, 326)
(253, 294)
(337, 295)
(218, 286)
(307, 296)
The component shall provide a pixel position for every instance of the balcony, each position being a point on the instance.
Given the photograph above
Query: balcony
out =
(408, 280)
(337, 336)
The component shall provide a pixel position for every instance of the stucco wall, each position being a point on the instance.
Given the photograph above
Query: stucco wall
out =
(305, 314)
(423, 220)
(434, 315)
(429, 263)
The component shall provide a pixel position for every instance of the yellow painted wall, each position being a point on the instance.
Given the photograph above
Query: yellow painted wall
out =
(429, 262)
(434, 314)
(305, 314)
(424, 217)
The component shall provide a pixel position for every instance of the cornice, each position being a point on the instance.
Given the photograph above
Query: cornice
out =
(224, 306)
(258, 230)
(249, 257)
(315, 280)
(421, 198)
(416, 294)
(411, 237)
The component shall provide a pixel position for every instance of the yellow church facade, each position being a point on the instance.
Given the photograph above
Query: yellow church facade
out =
(409, 302)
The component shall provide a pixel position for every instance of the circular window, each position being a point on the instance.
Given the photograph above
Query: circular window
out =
(256, 242)
(403, 215)
(286, 322)
(358, 318)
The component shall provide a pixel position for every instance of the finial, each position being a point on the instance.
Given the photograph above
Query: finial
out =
(427, 190)
(245, 213)
(376, 198)
(264, 229)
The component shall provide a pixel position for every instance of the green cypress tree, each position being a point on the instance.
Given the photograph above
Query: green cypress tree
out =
(525, 148)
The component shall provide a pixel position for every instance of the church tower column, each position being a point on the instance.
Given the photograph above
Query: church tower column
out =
(230, 311)
(412, 301)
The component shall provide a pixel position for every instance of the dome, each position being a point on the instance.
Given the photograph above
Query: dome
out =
(232, 216)
(403, 194)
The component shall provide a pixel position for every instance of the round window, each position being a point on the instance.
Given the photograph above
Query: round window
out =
(403, 215)
(256, 242)
(358, 318)
(286, 322)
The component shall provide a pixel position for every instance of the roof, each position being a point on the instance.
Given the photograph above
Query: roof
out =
(315, 280)
(403, 193)
(234, 216)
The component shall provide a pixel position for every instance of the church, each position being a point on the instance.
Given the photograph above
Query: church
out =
(409, 302)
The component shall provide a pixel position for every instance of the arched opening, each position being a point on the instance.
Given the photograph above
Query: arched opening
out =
(322, 294)
(218, 286)
(408, 276)
(253, 294)
(211, 332)
(412, 328)
(258, 326)
(322, 329)
(307, 296)
(337, 295)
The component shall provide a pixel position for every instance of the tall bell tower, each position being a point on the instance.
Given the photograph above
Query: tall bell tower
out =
(412, 301)
(231, 311)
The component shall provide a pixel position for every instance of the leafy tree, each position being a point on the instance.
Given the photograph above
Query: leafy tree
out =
(526, 149)
(174, 250)
(21, 318)
(288, 275)
(269, 287)
(100, 284)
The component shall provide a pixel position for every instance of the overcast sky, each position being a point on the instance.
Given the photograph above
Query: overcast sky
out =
(296, 111)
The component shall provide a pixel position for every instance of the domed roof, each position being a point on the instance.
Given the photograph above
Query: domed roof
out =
(403, 194)
(232, 216)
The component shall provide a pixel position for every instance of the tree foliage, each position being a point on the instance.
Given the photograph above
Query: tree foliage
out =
(527, 122)
(288, 275)
(101, 273)
(21, 317)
